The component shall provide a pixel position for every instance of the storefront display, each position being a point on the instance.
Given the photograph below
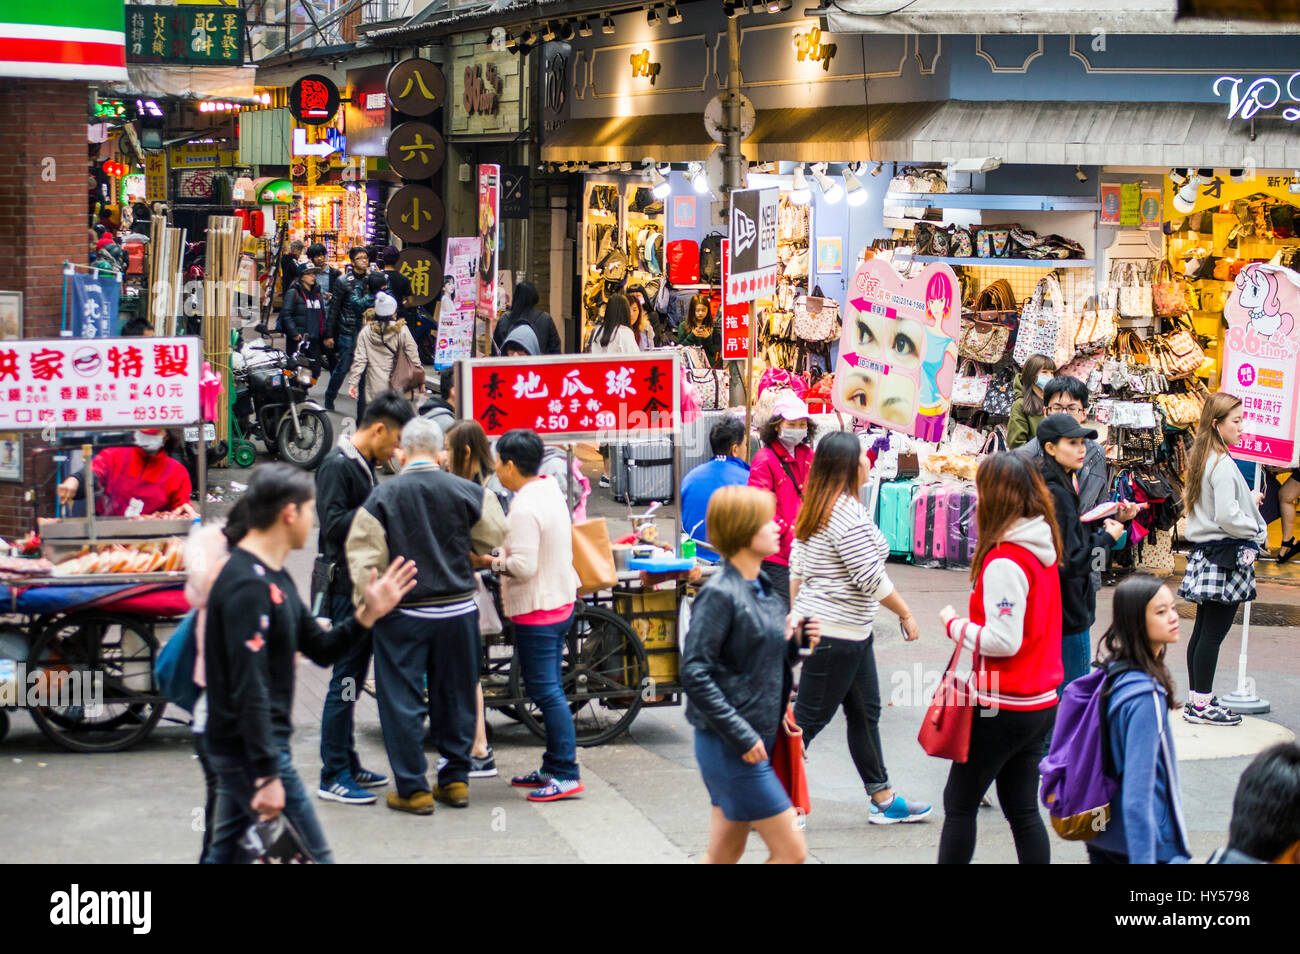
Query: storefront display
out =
(334, 216)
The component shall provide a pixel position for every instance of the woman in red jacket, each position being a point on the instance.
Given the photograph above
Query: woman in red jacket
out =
(1015, 623)
(782, 467)
(131, 481)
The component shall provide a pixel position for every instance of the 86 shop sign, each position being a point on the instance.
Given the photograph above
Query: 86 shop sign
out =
(114, 383)
(572, 396)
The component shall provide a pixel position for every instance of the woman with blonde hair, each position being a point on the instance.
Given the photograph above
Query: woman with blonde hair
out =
(383, 338)
(1226, 531)
(736, 670)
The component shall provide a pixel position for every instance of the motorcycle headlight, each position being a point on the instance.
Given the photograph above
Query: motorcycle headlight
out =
(304, 376)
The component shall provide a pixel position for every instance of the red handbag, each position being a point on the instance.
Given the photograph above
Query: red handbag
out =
(787, 762)
(684, 262)
(945, 731)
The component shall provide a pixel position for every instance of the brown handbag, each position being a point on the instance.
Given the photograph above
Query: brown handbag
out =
(406, 376)
(593, 556)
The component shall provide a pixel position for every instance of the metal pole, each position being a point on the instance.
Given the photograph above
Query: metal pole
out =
(749, 377)
(1243, 698)
(88, 471)
(732, 155)
(203, 469)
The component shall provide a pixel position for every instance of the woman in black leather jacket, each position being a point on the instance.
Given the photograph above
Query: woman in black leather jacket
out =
(736, 672)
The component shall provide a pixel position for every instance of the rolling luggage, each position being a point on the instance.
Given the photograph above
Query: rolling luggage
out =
(930, 524)
(895, 517)
(642, 471)
(962, 535)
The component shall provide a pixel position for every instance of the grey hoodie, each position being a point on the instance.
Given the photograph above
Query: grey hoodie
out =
(523, 336)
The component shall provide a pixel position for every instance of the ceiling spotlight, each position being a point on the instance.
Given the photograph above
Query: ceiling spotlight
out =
(879, 168)
(584, 29)
(1080, 174)
(566, 31)
(776, 6)
(832, 191)
(607, 26)
(800, 194)
(853, 190)
(652, 18)
(729, 10)
(697, 177)
(674, 16)
(548, 33)
(659, 183)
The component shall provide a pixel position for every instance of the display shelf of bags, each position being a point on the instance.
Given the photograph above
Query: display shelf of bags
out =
(1048, 263)
(1007, 203)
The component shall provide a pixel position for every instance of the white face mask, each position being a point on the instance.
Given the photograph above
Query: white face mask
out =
(1044, 380)
(791, 436)
(149, 443)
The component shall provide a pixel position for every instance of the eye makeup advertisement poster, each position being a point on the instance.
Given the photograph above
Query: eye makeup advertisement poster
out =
(898, 349)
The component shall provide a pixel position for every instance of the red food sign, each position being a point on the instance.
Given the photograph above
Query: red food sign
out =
(735, 319)
(572, 396)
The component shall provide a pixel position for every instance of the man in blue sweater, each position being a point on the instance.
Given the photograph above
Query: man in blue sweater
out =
(727, 441)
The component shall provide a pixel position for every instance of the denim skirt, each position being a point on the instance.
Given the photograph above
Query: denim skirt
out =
(744, 792)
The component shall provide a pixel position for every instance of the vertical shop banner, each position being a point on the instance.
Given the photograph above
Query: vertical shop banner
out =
(155, 177)
(752, 233)
(898, 353)
(1261, 361)
(1149, 211)
(456, 312)
(489, 238)
(735, 318)
(573, 396)
(92, 303)
(1130, 202)
(1110, 203)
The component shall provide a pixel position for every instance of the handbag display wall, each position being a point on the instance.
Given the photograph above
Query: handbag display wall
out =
(1046, 325)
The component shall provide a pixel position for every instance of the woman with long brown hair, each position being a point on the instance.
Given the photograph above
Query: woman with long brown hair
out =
(1014, 627)
(1027, 412)
(837, 576)
(1226, 530)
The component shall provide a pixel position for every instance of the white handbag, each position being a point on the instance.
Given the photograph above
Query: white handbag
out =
(1134, 299)
(1046, 326)
(969, 387)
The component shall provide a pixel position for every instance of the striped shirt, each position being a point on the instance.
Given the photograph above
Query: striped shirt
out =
(841, 570)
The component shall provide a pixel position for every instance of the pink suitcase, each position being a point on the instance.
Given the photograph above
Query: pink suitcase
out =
(930, 524)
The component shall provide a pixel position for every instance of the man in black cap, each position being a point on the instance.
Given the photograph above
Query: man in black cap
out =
(1062, 440)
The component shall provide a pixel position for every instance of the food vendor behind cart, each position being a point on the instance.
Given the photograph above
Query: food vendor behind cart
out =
(134, 481)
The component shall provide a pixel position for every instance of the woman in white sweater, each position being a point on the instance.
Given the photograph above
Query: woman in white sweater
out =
(538, 589)
(1227, 531)
(613, 335)
(837, 576)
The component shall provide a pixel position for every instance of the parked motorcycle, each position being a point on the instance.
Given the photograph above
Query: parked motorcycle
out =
(271, 404)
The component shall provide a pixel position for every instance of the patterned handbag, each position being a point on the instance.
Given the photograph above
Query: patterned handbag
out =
(1046, 325)
(1134, 292)
(1096, 330)
(961, 245)
(1167, 297)
(1001, 394)
(712, 388)
(1183, 354)
(969, 387)
(983, 342)
(816, 319)
(1156, 554)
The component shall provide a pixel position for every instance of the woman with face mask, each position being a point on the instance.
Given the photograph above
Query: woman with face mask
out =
(782, 467)
(1027, 412)
(133, 481)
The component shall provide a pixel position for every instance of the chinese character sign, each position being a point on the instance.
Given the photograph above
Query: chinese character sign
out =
(898, 355)
(573, 396)
(489, 233)
(83, 384)
(197, 35)
(456, 310)
(92, 303)
(1261, 360)
(735, 317)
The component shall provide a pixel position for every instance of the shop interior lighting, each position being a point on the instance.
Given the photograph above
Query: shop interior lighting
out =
(800, 194)
(832, 191)
(548, 33)
(854, 193)
(566, 31)
(1237, 175)
(607, 26)
(878, 169)
(659, 183)
(674, 15)
(698, 178)
(584, 29)
(776, 6)
(652, 18)
(1080, 174)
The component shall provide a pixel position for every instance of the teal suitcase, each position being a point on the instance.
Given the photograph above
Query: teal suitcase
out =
(895, 516)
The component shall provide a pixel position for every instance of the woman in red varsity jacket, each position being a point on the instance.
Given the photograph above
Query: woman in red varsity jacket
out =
(1015, 627)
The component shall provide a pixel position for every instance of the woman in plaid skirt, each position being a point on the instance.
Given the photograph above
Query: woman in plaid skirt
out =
(1226, 530)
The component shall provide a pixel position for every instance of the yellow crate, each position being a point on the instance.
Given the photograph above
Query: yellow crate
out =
(655, 632)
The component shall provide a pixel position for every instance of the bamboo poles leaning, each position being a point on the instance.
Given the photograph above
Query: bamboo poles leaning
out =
(220, 280)
(166, 246)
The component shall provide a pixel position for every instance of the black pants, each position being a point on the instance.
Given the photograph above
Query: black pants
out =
(210, 798)
(842, 672)
(1100, 856)
(778, 574)
(1005, 745)
(1213, 620)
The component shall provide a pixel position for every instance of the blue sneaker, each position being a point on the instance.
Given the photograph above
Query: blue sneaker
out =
(368, 779)
(534, 779)
(898, 810)
(345, 789)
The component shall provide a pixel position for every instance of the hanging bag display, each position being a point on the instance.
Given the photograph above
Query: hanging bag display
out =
(1046, 326)
(1096, 329)
(983, 342)
(969, 387)
(1167, 298)
(1134, 299)
(1183, 353)
(712, 387)
(711, 258)
(1001, 394)
(684, 262)
(816, 319)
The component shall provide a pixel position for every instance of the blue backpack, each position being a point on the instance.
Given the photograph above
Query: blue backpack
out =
(173, 670)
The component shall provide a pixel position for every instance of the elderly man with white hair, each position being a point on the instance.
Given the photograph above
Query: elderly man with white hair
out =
(436, 520)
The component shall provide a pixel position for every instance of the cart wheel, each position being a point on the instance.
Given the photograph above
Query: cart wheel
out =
(85, 653)
(602, 674)
(4, 724)
(243, 453)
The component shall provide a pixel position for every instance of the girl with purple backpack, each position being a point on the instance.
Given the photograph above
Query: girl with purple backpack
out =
(1146, 814)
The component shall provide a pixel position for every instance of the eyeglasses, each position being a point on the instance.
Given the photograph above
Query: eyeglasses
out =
(1062, 409)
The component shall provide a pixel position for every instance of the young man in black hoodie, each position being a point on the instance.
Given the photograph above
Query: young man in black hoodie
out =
(344, 480)
(1063, 440)
(256, 625)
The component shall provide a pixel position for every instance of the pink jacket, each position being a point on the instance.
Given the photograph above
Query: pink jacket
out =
(767, 473)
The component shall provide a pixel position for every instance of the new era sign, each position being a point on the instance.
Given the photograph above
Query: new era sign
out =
(752, 257)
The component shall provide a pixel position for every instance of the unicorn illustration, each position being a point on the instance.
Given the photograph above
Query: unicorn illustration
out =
(1259, 297)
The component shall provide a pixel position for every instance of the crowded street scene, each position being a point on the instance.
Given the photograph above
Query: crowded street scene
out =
(561, 431)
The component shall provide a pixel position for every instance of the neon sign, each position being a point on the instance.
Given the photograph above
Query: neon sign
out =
(1260, 96)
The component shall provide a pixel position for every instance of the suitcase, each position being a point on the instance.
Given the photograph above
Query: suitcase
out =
(962, 535)
(641, 471)
(930, 524)
(895, 518)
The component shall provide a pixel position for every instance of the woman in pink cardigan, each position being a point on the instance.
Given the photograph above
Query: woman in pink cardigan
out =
(782, 467)
(538, 588)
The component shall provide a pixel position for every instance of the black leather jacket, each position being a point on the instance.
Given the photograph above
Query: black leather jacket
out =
(736, 662)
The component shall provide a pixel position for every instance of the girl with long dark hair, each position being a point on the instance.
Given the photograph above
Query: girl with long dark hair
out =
(614, 335)
(1146, 814)
(1027, 411)
(524, 310)
(1014, 627)
(837, 576)
(1227, 531)
(700, 329)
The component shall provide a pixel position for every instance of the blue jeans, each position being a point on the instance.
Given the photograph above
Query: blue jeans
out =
(1074, 656)
(233, 814)
(338, 747)
(346, 345)
(540, 650)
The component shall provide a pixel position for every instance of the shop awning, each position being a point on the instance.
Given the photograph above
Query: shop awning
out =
(232, 83)
(1015, 16)
(1051, 133)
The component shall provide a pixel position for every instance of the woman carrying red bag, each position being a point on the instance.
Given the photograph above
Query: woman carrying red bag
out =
(1015, 626)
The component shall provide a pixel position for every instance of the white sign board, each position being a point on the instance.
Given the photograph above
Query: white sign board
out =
(752, 271)
(99, 384)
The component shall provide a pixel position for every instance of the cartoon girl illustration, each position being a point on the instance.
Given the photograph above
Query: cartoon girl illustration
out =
(1259, 297)
(938, 299)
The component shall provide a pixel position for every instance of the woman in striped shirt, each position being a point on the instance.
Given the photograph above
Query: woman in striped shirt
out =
(837, 576)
